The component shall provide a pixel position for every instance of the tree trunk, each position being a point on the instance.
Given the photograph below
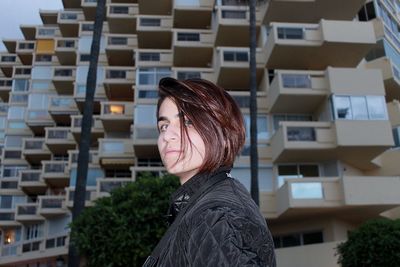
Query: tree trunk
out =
(85, 141)
(254, 190)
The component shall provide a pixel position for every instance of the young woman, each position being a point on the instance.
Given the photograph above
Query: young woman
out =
(214, 221)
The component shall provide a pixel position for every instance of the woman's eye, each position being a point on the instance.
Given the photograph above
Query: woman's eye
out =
(163, 127)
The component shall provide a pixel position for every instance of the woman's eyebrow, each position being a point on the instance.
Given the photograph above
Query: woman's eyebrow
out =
(163, 118)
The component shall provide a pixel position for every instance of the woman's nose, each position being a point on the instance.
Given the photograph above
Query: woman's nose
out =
(172, 133)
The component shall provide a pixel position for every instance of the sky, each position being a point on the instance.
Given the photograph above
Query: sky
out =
(16, 12)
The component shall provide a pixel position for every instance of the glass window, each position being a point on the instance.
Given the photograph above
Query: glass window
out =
(5, 202)
(16, 125)
(113, 147)
(93, 174)
(42, 73)
(186, 36)
(359, 108)
(233, 14)
(396, 136)
(20, 85)
(313, 237)
(42, 85)
(265, 177)
(296, 80)
(376, 107)
(184, 75)
(145, 115)
(2, 122)
(38, 101)
(82, 72)
(149, 56)
(290, 33)
(343, 107)
(262, 127)
(288, 171)
(151, 76)
(43, 58)
(85, 43)
(16, 113)
(14, 141)
(150, 22)
(236, 56)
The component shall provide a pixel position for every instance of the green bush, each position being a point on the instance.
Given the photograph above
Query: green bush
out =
(123, 229)
(375, 244)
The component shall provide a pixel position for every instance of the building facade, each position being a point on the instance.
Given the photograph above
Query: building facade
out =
(328, 81)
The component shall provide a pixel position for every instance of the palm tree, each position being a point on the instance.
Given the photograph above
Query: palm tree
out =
(254, 189)
(85, 141)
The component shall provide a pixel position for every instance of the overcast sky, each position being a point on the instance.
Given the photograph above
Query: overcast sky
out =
(16, 12)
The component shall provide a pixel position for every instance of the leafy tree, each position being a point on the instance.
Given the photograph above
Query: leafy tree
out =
(375, 244)
(123, 229)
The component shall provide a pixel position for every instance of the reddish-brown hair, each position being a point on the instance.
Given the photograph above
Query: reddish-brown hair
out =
(213, 113)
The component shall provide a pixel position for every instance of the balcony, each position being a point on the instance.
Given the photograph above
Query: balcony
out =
(63, 80)
(80, 94)
(5, 88)
(73, 158)
(46, 32)
(116, 116)
(23, 72)
(7, 62)
(334, 43)
(59, 139)
(89, 9)
(351, 141)
(118, 83)
(12, 156)
(288, 88)
(52, 206)
(61, 108)
(144, 131)
(7, 218)
(68, 22)
(49, 17)
(153, 57)
(233, 21)
(9, 185)
(106, 185)
(277, 11)
(184, 12)
(34, 150)
(154, 31)
(55, 173)
(90, 196)
(391, 76)
(31, 182)
(120, 49)
(193, 48)
(28, 213)
(66, 50)
(38, 120)
(350, 197)
(155, 7)
(116, 152)
(232, 67)
(25, 50)
(122, 18)
(97, 130)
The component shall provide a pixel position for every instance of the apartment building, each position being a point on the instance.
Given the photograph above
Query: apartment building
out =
(328, 113)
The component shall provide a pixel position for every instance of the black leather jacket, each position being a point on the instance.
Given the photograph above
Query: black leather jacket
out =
(223, 227)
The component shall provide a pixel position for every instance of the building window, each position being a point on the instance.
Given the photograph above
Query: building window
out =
(290, 171)
(145, 115)
(151, 76)
(43, 58)
(42, 73)
(149, 56)
(233, 14)
(298, 239)
(189, 37)
(301, 134)
(290, 33)
(20, 85)
(360, 107)
(184, 75)
(46, 32)
(233, 56)
(87, 27)
(33, 231)
(296, 80)
(16, 113)
(367, 12)
(150, 22)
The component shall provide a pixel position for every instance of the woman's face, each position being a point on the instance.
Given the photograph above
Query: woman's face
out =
(178, 160)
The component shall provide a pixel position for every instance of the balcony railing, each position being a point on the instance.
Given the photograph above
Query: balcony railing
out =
(33, 144)
(51, 202)
(66, 44)
(27, 209)
(54, 167)
(57, 134)
(31, 176)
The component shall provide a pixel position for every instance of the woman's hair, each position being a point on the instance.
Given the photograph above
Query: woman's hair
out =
(213, 113)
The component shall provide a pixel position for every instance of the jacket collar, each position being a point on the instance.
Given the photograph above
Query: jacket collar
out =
(181, 196)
